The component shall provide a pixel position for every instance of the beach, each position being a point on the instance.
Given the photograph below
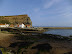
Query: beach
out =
(40, 43)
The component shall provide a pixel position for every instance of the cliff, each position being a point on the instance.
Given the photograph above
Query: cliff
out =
(16, 19)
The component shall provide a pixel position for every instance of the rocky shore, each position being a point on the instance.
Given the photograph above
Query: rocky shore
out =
(56, 27)
(35, 44)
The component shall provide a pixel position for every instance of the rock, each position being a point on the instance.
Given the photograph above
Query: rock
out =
(43, 47)
(68, 53)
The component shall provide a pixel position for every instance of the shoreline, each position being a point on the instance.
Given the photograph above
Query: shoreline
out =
(56, 27)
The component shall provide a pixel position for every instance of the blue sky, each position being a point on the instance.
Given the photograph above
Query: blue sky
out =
(41, 12)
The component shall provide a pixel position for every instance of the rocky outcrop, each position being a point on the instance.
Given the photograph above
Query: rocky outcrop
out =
(17, 19)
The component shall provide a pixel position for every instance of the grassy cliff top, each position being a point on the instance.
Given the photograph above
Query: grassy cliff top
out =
(16, 19)
(15, 15)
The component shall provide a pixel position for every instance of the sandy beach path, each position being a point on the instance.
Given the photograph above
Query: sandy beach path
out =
(5, 39)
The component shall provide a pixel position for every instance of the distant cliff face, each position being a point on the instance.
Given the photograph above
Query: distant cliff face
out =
(17, 19)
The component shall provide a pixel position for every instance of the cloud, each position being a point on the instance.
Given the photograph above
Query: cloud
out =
(60, 10)
(36, 9)
(66, 12)
(48, 4)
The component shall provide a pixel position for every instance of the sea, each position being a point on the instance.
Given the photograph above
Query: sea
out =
(62, 32)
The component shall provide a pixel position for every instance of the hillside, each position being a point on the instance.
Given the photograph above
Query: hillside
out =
(16, 19)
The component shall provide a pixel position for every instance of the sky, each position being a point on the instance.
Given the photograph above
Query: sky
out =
(41, 12)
